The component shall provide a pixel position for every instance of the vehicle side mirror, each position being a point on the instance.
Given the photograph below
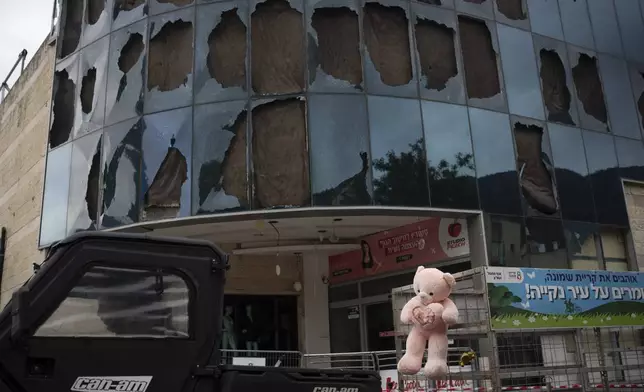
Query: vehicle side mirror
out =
(19, 314)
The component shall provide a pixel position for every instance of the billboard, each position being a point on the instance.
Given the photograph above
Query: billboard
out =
(407, 246)
(528, 298)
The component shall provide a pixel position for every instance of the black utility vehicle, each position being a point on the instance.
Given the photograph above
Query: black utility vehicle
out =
(123, 312)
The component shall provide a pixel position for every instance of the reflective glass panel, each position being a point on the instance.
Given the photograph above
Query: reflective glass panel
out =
(546, 243)
(452, 174)
(581, 245)
(127, 12)
(97, 20)
(506, 243)
(56, 194)
(629, 17)
(397, 151)
(576, 23)
(630, 155)
(340, 171)
(605, 28)
(495, 164)
(84, 184)
(619, 97)
(220, 181)
(92, 82)
(545, 19)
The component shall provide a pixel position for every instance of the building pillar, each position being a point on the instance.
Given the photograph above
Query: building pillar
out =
(315, 318)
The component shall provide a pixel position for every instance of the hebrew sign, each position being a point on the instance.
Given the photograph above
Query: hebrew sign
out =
(529, 298)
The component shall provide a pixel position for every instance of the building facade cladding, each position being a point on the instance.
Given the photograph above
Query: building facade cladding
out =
(530, 110)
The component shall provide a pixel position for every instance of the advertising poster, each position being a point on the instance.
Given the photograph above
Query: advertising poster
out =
(527, 298)
(401, 248)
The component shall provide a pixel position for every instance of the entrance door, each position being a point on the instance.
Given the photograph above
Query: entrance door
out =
(115, 313)
(380, 327)
(345, 329)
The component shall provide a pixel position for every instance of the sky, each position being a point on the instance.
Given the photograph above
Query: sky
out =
(24, 24)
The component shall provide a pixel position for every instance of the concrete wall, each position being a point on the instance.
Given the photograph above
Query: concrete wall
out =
(24, 124)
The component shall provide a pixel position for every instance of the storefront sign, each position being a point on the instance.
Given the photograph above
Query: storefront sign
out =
(408, 246)
(353, 313)
(527, 298)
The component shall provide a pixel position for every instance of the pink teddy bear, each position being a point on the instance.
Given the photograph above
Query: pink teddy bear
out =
(431, 312)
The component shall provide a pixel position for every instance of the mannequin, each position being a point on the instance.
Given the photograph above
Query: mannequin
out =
(249, 330)
(228, 337)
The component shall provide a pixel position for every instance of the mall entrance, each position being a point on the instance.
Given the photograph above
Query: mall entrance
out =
(361, 316)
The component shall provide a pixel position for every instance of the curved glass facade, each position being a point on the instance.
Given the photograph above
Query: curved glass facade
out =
(168, 108)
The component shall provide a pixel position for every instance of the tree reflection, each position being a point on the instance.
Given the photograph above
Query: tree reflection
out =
(402, 179)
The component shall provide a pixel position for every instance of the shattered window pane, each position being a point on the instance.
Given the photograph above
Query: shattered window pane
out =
(161, 6)
(277, 47)
(479, 59)
(604, 23)
(122, 173)
(480, 8)
(495, 165)
(93, 78)
(387, 49)
(512, 9)
(97, 20)
(546, 243)
(84, 184)
(280, 154)
(64, 105)
(220, 182)
(604, 178)
(166, 148)
(125, 74)
(439, 60)
(568, 154)
(397, 152)
(127, 12)
(334, 48)
(556, 80)
(520, 72)
(340, 172)
(590, 93)
(576, 23)
(452, 174)
(619, 97)
(545, 19)
(56, 192)
(170, 61)
(535, 168)
(221, 52)
(72, 22)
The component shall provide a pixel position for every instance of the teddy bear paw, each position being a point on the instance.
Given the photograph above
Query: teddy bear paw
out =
(435, 369)
(409, 365)
(450, 317)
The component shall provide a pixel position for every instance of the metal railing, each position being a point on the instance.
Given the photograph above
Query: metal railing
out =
(4, 88)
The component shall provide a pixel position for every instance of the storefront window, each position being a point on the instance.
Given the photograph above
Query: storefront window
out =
(254, 322)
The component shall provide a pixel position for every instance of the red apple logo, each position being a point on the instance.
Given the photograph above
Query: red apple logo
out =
(454, 229)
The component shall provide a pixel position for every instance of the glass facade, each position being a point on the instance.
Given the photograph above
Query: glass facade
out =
(530, 110)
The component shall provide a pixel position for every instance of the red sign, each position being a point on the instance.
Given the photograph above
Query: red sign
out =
(408, 246)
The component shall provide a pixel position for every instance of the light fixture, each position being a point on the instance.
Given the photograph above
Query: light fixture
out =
(297, 286)
(321, 235)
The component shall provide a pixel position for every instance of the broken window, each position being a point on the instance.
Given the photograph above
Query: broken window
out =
(280, 157)
(55, 195)
(619, 97)
(178, 3)
(87, 90)
(478, 8)
(435, 45)
(589, 87)
(64, 103)
(220, 69)
(512, 9)
(495, 165)
(162, 6)
(340, 172)
(536, 172)
(127, 12)
(72, 24)
(479, 58)
(277, 48)
(83, 189)
(571, 171)
(219, 159)
(94, 10)
(398, 152)
(166, 146)
(125, 80)
(93, 78)
(122, 173)
(555, 87)
(126, 5)
(335, 49)
(451, 169)
(387, 43)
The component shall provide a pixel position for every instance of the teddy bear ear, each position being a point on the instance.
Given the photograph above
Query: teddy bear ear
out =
(449, 279)
(420, 268)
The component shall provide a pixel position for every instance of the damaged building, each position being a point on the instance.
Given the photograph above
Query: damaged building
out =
(291, 131)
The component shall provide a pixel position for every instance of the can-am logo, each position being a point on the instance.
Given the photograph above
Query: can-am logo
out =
(334, 389)
(105, 384)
